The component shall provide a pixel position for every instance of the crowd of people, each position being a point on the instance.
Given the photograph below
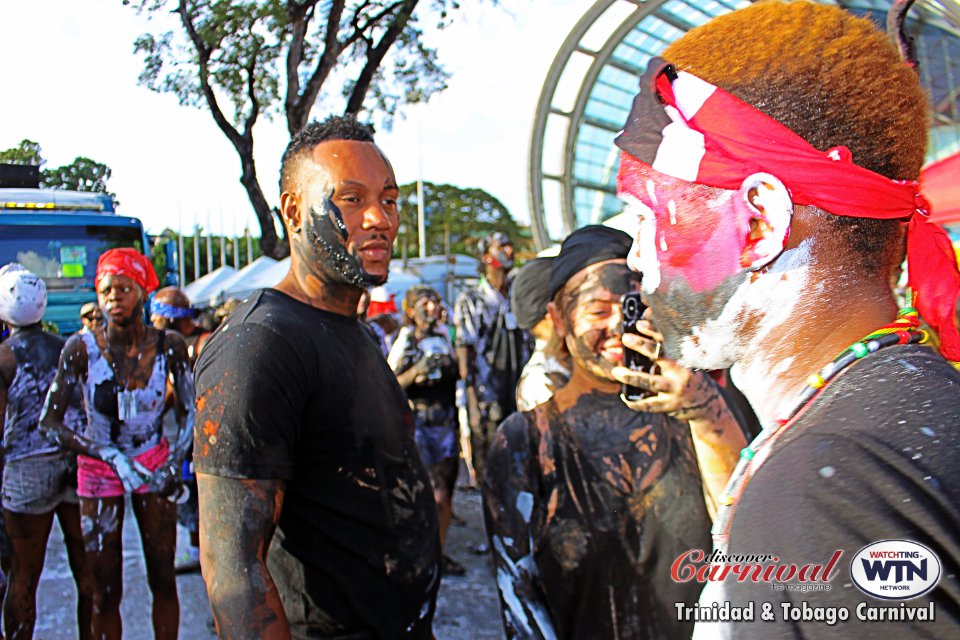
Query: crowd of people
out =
(771, 160)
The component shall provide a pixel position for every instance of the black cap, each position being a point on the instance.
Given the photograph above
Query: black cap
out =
(530, 292)
(584, 247)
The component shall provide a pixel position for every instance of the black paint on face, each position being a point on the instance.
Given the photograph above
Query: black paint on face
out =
(678, 310)
(592, 317)
(326, 248)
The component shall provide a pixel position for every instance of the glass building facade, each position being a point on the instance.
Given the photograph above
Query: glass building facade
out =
(590, 86)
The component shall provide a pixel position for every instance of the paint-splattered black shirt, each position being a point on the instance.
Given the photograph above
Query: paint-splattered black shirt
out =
(876, 456)
(586, 510)
(287, 391)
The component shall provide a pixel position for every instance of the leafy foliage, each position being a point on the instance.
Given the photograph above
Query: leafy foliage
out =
(83, 174)
(245, 58)
(456, 219)
(27, 152)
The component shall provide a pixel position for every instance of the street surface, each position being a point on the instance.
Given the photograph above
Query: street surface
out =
(467, 607)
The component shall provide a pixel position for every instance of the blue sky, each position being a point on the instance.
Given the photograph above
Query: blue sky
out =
(69, 82)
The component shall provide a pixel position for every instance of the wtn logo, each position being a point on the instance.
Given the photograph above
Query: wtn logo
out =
(903, 569)
(895, 569)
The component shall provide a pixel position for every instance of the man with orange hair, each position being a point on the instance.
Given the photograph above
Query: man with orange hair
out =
(772, 158)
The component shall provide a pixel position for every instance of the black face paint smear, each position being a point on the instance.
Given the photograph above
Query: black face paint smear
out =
(327, 236)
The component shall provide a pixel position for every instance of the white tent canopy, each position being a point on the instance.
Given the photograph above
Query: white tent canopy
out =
(201, 290)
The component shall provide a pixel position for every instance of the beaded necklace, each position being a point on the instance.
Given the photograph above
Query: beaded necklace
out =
(904, 330)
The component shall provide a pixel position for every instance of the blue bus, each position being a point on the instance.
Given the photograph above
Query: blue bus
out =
(59, 235)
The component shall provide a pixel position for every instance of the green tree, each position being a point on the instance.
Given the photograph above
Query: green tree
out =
(27, 152)
(83, 174)
(244, 59)
(169, 235)
(455, 220)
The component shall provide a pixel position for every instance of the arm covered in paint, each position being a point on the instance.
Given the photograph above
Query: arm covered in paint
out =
(514, 525)
(71, 369)
(237, 520)
(691, 396)
(167, 476)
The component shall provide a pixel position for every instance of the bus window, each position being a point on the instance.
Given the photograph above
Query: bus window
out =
(64, 256)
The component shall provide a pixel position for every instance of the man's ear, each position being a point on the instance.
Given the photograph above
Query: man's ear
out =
(553, 312)
(770, 209)
(290, 211)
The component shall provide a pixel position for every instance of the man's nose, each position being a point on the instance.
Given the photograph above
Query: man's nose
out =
(377, 217)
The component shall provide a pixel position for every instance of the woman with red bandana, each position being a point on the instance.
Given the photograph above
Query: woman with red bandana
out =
(123, 370)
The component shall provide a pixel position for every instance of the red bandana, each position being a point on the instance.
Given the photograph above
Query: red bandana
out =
(130, 263)
(685, 127)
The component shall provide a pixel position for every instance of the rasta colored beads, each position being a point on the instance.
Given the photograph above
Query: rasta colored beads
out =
(904, 330)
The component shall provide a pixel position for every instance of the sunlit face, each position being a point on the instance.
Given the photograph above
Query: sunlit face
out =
(591, 315)
(120, 299)
(688, 248)
(347, 195)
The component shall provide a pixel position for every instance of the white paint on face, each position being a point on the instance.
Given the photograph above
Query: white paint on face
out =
(770, 299)
(643, 254)
(652, 191)
(672, 209)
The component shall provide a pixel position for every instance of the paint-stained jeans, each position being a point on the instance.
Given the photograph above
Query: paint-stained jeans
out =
(38, 484)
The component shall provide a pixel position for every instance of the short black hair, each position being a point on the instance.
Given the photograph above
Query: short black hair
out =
(345, 127)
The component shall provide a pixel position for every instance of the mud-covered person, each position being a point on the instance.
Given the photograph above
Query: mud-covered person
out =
(491, 348)
(588, 502)
(304, 442)
(40, 479)
(170, 310)
(123, 370)
(422, 357)
(548, 368)
(773, 165)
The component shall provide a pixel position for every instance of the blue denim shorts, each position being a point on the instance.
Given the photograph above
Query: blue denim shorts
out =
(38, 484)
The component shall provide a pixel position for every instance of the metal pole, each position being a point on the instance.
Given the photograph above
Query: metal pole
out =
(421, 223)
(209, 245)
(180, 257)
(196, 251)
(223, 240)
(249, 245)
(236, 251)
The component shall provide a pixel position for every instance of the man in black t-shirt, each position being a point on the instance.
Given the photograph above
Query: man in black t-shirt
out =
(772, 158)
(317, 516)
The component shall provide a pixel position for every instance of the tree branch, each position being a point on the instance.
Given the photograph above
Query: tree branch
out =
(203, 59)
(376, 55)
(298, 105)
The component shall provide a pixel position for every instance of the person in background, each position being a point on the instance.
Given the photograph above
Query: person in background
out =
(123, 370)
(170, 310)
(91, 317)
(587, 502)
(376, 331)
(549, 367)
(491, 348)
(422, 358)
(772, 158)
(39, 479)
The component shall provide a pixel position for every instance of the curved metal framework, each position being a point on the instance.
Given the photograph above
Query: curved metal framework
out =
(587, 168)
